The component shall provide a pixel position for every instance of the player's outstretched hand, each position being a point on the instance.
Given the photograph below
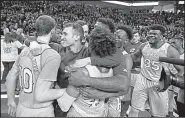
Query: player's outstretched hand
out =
(164, 81)
(82, 62)
(12, 107)
(35, 48)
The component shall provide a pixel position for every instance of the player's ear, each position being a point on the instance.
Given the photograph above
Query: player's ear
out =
(77, 37)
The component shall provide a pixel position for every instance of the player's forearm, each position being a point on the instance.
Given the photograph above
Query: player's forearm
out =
(115, 83)
(172, 60)
(44, 93)
(178, 81)
(11, 85)
(50, 95)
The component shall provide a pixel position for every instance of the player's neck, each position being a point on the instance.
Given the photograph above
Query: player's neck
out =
(157, 45)
(76, 47)
(43, 39)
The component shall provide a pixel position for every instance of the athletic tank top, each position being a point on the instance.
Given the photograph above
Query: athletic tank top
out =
(150, 68)
(92, 107)
(30, 67)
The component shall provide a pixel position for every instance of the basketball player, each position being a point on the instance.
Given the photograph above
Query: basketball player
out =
(37, 75)
(85, 27)
(177, 42)
(71, 41)
(101, 44)
(150, 74)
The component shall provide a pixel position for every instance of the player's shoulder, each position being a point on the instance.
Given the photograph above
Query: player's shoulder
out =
(142, 45)
(50, 53)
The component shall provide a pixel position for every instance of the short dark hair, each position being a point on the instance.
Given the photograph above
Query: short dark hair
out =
(108, 22)
(178, 37)
(81, 22)
(158, 27)
(9, 37)
(102, 42)
(77, 27)
(127, 29)
(44, 24)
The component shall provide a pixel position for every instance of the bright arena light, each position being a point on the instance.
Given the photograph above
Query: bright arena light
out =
(133, 4)
(118, 2)
(181, 2)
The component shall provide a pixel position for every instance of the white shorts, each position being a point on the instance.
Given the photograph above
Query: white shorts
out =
(114, 107)
(73, 113)
(42, 112)
(134, 78)
(145, 91)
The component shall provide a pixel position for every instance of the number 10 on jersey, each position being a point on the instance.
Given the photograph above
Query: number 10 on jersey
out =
(26, 80)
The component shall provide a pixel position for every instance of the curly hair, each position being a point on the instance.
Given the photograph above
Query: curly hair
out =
(102, 43)
(158, 27)
(108, 22)
(127, 29)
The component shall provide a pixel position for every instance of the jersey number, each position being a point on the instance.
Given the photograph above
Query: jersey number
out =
(26, 80)
(154, 64)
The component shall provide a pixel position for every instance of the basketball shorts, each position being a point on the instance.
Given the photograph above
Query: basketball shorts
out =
(113, 107)
(145, 91)
(28, 112)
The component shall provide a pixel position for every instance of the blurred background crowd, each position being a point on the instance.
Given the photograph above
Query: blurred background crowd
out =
(22, 14)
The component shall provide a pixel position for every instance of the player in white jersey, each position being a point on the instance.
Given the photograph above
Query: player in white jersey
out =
(37, 73)
(145, 89)
(177, 42)
(89, 105)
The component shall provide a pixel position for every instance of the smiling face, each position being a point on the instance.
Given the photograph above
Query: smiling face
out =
(154, 36)
(136, 37)
(68, 37)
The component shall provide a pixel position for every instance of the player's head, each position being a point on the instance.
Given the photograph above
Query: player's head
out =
(19, 31)
(136, 37)
(85, 26)
(13, 29)
(177, 42)
(124, 33)
(102, 43)
(45, 25)
(9, 37)
(155, 33)
(105, 23)
(72, 33)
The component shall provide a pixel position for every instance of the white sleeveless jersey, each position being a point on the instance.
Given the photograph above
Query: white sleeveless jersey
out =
(92, 107)
(149, 68)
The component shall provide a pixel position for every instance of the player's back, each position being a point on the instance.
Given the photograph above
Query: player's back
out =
(92, 107)
(150, 68)
(30, 67)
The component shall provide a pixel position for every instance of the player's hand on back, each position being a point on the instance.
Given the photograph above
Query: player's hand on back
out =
(82, 62)
(12, 107)
(35, 48)
(78, 78)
